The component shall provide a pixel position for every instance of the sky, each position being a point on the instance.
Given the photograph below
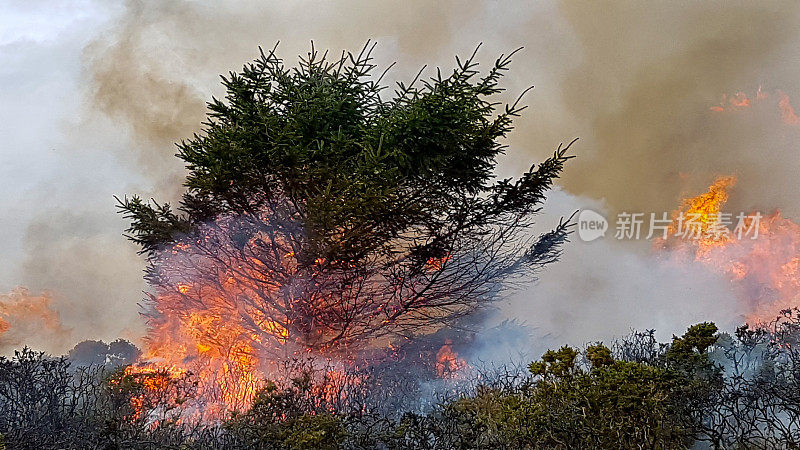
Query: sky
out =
(94, 94)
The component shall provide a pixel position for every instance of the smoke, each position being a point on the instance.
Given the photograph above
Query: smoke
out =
(60, 232)
(158, 65)
(642, 93)
(634, 80)
(94, 274)
(640, 98)
(601, 290)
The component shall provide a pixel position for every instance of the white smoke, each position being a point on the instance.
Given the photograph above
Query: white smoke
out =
(102, 90)
(601, 290)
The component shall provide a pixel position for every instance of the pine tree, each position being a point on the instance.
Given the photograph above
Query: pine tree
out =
(319, 213)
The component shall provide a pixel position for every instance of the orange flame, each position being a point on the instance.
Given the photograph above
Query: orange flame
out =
(760, 255)
(701, 219)
(448, 364)
(27, 319)
(231, 314)
(436, 264)
(148, 389)
(741, 101)
(787, 112)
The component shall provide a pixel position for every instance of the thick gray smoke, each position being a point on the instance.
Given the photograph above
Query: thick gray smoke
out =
(600, 290)
(641, 93)
(124, 81)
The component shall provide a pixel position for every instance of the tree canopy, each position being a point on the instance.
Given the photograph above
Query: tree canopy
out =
(364, 214)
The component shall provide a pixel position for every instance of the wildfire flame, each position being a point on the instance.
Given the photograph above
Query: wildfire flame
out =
(740, 101)
(787, 112)
(30, 319)
(760, 255)
(231, 302)
(436, 264)
(448, 364)
(700, 218)
(154, 394)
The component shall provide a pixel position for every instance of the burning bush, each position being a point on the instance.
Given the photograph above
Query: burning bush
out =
(321, 218)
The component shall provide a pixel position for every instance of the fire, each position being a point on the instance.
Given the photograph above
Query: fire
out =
(155, 379)
(787, 112)
(24, 317)
(741, 101)
(214, 352)
(760, 255)
(153, 393)
(448, 364)
(734, 102)
(700, 218)
(436, 264)
(231, 302)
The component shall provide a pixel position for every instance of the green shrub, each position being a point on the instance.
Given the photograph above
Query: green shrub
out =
(610, 404)
(286, 418)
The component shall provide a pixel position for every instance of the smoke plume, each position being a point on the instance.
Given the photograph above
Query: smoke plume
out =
(642, 93)
(636, 81)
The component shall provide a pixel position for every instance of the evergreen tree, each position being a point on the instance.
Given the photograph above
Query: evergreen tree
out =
(336, 215)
